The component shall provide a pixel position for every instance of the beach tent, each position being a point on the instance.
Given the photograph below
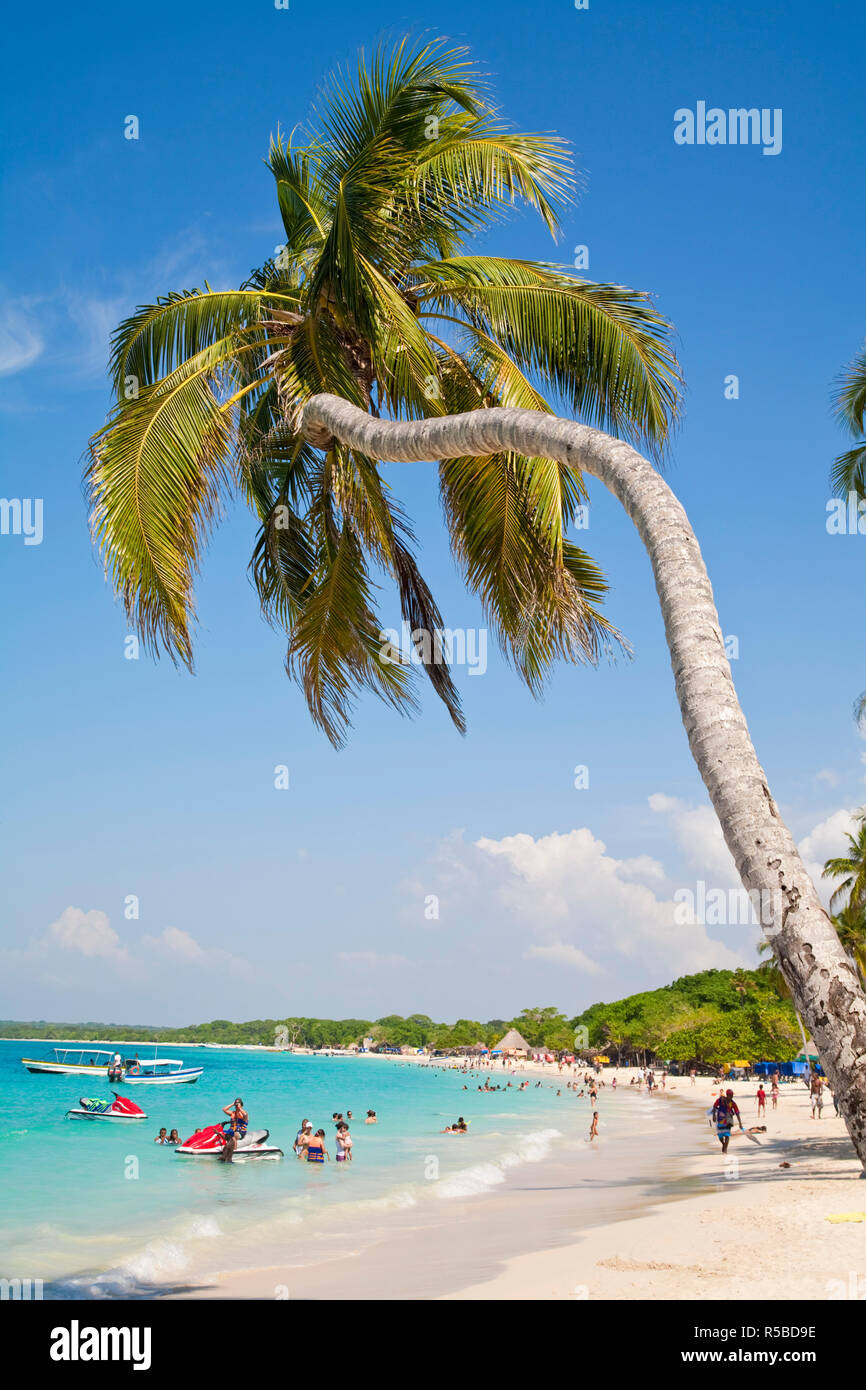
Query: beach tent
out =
(512, 1042)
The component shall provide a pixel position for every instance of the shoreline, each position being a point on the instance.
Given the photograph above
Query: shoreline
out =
(756, 1230)
(659, 1216)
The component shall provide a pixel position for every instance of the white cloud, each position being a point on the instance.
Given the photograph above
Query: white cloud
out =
(94, 320)
(21, 342)
(562, 953)
(182, 947)
(826, 841)
(697, 831)
(584, 907)
(177, 943)
(827, 775)
(86, 932)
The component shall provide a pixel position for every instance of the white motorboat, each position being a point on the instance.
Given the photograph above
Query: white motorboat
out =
(166, 1071)
(87, 1061)
(71, 1061)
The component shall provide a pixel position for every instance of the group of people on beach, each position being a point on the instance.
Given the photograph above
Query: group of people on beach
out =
(309, 1147)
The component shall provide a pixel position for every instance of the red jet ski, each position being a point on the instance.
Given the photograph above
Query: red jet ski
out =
(210, 1142)
(118, 1109)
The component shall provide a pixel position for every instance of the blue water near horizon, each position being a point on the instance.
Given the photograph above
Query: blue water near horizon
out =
(98, 1209)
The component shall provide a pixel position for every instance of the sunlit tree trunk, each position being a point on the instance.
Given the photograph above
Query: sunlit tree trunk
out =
(822, 979)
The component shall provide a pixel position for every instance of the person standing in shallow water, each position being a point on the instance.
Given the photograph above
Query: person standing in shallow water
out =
(593, 1129)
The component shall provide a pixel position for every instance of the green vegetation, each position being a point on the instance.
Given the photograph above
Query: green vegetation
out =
(716, 1016)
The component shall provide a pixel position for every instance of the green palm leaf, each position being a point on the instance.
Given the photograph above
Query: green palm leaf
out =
(375, 298)
(602, 349)
(849, 470)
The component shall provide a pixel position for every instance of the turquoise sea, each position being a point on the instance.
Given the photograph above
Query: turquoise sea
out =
(98, 1210)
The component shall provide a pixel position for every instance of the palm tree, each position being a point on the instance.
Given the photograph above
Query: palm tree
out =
(849, 399)
(354, 347)
(823, 981)
(851, 868)
(850, 924)
(849, 470)
(373, 298)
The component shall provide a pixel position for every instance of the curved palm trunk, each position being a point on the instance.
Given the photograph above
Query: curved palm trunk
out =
(822, 979)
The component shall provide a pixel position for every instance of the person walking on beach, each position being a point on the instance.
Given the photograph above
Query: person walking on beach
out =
(816, 1087)
(693, 1074)
(725, 1111)
(774, 1090)
(593, 1129)
(761, 1098)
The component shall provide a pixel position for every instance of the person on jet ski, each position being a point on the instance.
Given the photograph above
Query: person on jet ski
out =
(236, 1128)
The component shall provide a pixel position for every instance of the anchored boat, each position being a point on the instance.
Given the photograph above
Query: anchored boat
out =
(167, 1071)
(71, 1061)
(87, 1061)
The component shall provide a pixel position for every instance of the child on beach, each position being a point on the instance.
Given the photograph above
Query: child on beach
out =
(761, 1098)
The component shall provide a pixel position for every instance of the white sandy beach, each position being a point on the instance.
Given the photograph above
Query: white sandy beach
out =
(758, 1231)
(747, 1228)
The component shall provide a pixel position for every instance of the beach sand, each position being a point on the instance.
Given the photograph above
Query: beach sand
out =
(756, 1230)
(669, 1219)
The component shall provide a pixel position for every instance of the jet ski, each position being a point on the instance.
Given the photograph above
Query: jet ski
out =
(118, 1109)
(210, 1142)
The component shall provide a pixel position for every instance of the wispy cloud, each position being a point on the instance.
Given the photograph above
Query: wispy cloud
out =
(21, 342)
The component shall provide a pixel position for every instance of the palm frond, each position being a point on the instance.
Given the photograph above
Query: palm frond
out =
(158, 337)
(602, 349)
(337, 647)
(849, 470)
(478, 164)
(156, 473)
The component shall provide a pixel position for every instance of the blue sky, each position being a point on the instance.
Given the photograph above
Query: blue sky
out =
(128, 778)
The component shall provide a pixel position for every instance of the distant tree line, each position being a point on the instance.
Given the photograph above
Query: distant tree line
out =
(714, 1016)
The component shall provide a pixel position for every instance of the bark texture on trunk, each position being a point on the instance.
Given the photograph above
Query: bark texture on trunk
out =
(822, 979)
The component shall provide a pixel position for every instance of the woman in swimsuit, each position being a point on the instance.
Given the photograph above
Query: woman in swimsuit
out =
(316, 1151)
(238, 1123)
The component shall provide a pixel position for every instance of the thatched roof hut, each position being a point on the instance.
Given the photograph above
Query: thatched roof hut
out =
(512, 1042)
